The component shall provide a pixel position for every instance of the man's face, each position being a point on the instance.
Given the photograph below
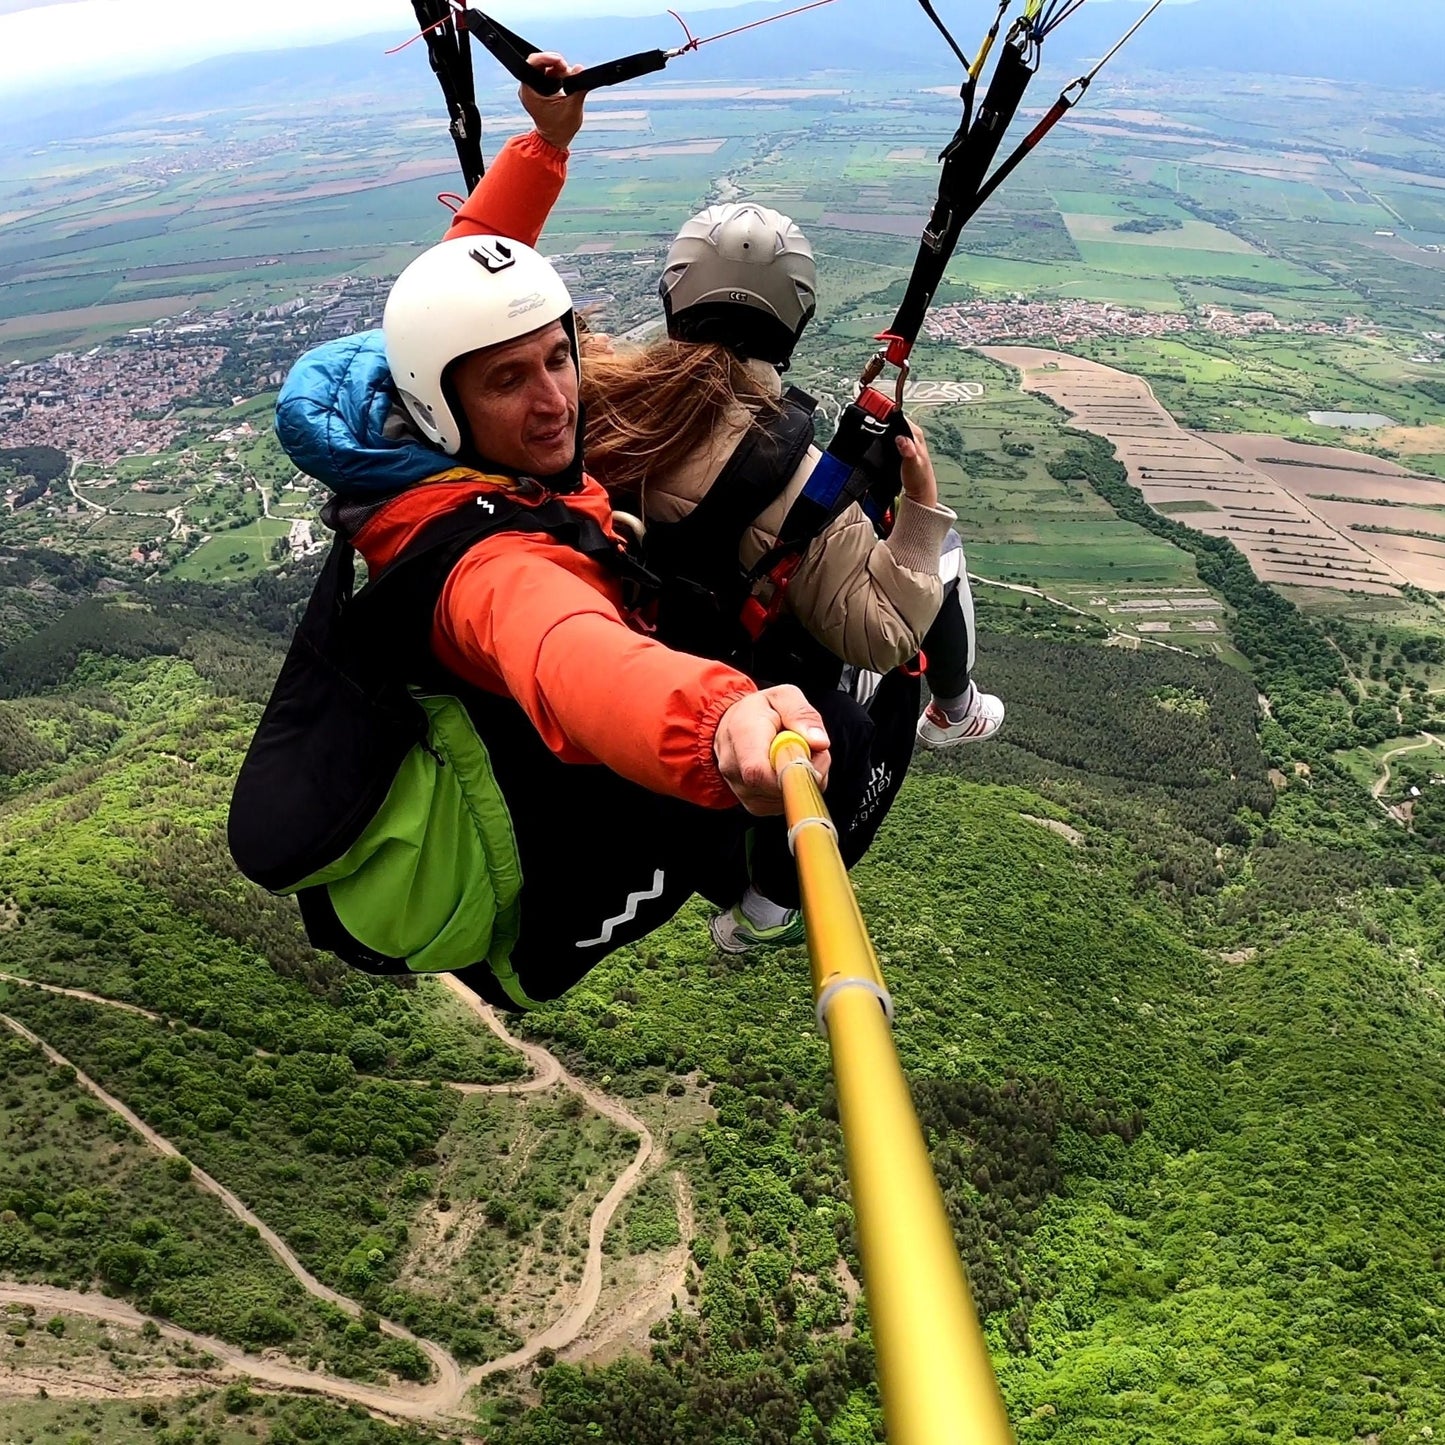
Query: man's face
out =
(520, 401)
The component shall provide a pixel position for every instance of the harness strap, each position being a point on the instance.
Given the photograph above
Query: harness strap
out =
(511, 51)
(861, 465)
(965, 165)
(450, 54)
(702, 547)
(398, 604)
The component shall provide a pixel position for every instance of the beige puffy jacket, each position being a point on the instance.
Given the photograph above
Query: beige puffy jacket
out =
(868, 601)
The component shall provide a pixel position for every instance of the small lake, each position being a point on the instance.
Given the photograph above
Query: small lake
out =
(1355, 420)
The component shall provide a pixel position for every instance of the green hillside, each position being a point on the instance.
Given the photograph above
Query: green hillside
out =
(1172, 1021)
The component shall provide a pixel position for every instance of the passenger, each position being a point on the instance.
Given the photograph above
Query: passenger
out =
(665, 422)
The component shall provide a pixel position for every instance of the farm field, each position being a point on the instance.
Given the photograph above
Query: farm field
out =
(1271, 513)
(1023, 528)
(1271, 384)
(1161, 195)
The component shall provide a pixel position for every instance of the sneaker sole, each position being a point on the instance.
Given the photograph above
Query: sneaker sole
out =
(944, 740)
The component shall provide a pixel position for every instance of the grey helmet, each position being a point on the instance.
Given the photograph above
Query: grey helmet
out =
(744, 277)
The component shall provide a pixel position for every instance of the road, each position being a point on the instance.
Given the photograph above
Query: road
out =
(75, 491)
(444, 1397)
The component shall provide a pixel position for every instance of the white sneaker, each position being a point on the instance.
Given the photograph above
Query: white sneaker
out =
(733, 932)
(982, 720)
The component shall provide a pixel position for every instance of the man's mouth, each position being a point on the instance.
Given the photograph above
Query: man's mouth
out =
(550, 438)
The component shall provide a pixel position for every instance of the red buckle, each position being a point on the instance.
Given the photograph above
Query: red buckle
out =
(898, 350)
(917, 667)
(754, 618)
(876, 404)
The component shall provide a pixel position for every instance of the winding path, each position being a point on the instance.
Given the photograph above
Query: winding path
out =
(417, 1403)
(449, 1375)
(443, 1397)
(562, 1331)
(1377, 790)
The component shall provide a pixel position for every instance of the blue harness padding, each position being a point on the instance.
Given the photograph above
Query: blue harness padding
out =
(331, 420)
(861, 465)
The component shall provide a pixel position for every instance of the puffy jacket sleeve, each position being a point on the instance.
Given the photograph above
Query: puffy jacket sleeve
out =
(517, 194)
(525, 611)
(869, 600)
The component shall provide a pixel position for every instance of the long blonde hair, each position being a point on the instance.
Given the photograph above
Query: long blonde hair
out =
(648, 410)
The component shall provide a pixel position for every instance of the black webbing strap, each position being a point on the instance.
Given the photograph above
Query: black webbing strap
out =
(442, 542)
(451, 61)
(932, 14)
(702, 547)
(511, 51)
(965, 167)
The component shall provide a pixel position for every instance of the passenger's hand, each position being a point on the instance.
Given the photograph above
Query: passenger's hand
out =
(558, 117)
(745, 737)
(919, 483)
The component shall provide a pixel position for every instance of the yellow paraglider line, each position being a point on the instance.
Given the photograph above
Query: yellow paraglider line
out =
(934, 1370)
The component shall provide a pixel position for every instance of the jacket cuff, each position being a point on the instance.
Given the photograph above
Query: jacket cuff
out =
(712, 790)
(916, 541)
(536, 144)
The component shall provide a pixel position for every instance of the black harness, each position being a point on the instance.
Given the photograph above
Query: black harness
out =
(342, 718)
(705, 592)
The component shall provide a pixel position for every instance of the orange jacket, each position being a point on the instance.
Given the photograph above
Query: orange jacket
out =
(517, 194)
(526, 617)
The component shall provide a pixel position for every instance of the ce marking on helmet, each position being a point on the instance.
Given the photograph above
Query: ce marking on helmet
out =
(493, 255)
(741, 297)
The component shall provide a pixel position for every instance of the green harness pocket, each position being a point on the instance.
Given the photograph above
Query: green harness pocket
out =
(435, 877)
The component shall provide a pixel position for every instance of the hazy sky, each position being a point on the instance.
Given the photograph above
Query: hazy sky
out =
(45, 42)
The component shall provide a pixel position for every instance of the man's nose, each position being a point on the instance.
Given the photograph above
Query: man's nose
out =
(549, 395)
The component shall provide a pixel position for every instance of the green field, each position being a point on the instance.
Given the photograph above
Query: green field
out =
(240, 552)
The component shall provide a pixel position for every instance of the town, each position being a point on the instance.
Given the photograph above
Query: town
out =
(982, 323)
(128, 398)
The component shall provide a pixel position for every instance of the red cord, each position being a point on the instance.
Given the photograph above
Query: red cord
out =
(766, 20)
(447, 197)
(420, 35)
(692, 41)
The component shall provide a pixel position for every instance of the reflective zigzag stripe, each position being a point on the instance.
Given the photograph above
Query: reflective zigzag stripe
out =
(628, 913)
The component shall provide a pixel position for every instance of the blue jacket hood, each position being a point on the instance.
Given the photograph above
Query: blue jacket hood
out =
(331, 420)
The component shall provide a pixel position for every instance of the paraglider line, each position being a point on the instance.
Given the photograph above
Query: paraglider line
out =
(766, 20)
(1133, 31)
(421, 34)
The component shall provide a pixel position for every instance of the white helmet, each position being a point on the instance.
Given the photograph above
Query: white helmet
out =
(742, 276)
(457, 298)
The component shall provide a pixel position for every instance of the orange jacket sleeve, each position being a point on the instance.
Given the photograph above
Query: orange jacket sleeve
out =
(530, 613)
(517, 194)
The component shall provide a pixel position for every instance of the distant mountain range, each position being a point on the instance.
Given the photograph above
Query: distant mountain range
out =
(1384, 43)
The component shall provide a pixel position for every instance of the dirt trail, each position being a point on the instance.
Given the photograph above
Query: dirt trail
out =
(1427, 740)
(420, 1402)
(80, 993)
(448, 1380)
(563, 1331)
(653, 1300)
(444, 1397)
